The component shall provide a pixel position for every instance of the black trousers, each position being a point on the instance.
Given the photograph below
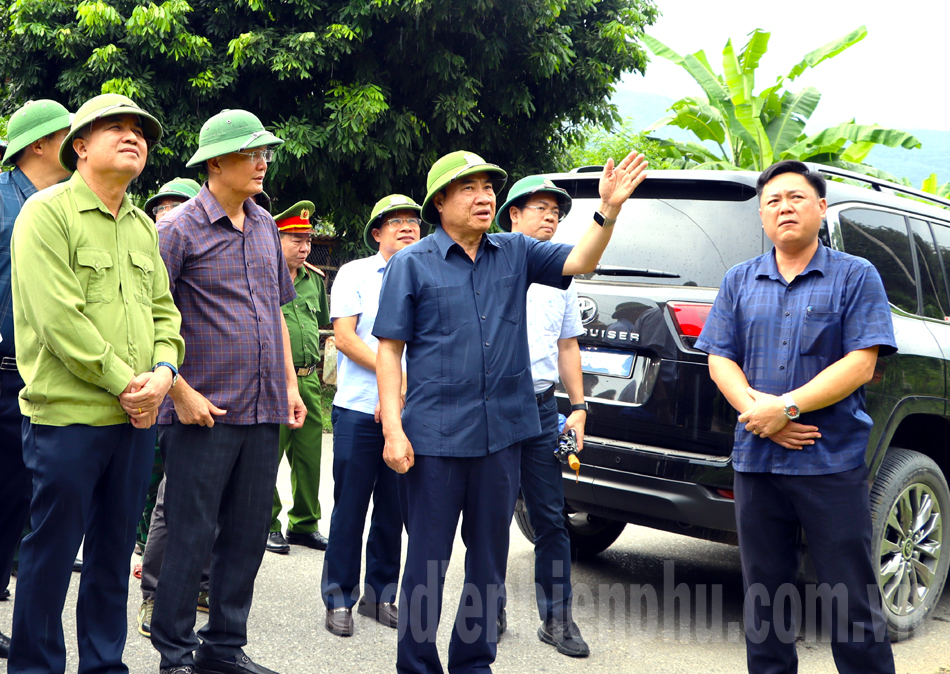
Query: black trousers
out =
(16, 486)
(834, 512)
(87, 480)
(220, 477)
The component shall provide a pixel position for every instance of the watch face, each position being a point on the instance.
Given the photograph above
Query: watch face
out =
(792, 411)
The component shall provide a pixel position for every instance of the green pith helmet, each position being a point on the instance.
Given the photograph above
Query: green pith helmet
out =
(525, 188)
(33, 121)
(106, 105)
(451, 167)
(296, 219)
(231, 131)
(179, 188)
(394, 202)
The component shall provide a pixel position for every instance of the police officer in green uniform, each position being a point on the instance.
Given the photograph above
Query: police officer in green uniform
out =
(304, 316)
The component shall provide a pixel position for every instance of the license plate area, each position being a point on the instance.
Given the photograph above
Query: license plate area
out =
(603, 362)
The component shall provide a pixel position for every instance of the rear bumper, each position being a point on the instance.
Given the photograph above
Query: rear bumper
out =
(632, 497)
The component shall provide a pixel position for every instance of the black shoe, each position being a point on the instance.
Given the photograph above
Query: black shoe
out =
(385, 614)
(4, 645)
(314, 540)
(77, 565)
(277, 543)
(501, 622)
(243, 665)
(340, 621)
(565, 637)
(180, 669)
(4, 594)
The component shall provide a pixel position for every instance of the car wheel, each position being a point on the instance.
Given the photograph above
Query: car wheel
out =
(910, 507)
(589, 534)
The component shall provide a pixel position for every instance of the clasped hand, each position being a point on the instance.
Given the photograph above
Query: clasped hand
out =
(766, 418)
(143, 395)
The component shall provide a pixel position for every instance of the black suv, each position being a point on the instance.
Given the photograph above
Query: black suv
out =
(659, 434)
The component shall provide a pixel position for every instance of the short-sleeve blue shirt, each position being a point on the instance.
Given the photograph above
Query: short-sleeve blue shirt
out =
(783, 334)
(470, 391)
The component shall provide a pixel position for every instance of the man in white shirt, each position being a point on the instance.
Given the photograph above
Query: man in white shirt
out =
(534, 208)
(358, 467)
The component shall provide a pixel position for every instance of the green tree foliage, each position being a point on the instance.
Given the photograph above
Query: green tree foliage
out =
(754, 130)
(599, 144)
(367, 93)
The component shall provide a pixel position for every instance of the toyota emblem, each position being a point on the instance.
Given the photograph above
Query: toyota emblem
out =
(588, 309)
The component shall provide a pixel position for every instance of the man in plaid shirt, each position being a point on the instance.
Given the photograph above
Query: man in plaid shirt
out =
(221, 426)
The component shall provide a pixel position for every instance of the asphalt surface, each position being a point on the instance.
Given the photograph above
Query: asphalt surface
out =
(670, 578)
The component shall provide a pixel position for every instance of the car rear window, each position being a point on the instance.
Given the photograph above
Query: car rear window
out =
(690, 231)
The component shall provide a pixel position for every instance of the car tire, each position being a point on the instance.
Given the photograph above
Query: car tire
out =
(910, 510)
(589, 534)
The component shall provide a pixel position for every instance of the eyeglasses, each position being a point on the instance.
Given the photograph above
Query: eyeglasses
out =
(255, 156)
(158, 210)
(544, 210)
(397, 222)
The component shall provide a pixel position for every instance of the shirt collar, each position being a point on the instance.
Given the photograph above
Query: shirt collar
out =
(26, 187)
(445, 242)
(87, 200)
(768, 267)
(216, 213)
(378, 262)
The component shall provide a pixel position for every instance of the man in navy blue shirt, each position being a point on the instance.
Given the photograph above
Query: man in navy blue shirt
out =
(456, 301)
(792, 338)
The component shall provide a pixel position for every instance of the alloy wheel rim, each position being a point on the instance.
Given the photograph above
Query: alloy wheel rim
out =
(910, 549)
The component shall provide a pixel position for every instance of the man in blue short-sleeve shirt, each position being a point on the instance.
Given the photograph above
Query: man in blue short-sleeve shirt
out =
(456, 299)
(792, 338)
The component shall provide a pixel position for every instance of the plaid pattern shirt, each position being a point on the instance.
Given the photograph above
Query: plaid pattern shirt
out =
(229, 286)
(15, 189)
(782, 334)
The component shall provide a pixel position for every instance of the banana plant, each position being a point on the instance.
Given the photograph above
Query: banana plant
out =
(754, 130)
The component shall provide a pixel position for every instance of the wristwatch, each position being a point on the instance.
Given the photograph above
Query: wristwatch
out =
(579, 407)
(603, 220)
(791, 409)
(170, 367)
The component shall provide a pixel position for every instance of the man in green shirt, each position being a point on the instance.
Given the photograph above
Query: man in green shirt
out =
(97, 345)
(304, 316)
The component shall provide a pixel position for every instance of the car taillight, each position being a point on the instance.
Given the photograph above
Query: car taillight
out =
(726, 493)
(689, 318)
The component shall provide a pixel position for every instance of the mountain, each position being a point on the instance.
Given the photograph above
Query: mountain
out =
(932, 157)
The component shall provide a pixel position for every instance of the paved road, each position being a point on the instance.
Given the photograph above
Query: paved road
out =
(287, 634)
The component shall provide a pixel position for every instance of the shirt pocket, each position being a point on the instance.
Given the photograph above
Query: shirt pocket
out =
(508, 397)
(97, 274)
(454, 411)
(505, 296)
(821, 332)
(143, 271)
(443, 308)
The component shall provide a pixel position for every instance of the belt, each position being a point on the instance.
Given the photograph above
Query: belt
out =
(306, 371)
(8, 364)
(545, 395)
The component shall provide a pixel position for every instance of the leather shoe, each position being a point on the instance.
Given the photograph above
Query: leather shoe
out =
(243, 665)
(4, 645)
(340, 621)
(501, 623)
(180, 669)
(565, 637)
(385, 614)
(314, 540)
(4, 594)
(77, 565)
(277, 543)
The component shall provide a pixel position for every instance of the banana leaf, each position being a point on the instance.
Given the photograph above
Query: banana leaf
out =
(827, 51)
(787, 129)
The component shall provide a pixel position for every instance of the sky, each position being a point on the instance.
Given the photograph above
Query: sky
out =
(895, 77)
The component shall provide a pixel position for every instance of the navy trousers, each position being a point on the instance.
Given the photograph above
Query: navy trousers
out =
(834, 512)
(220, 478)
(543, 489)
(359, 473)
(87, 480)
(15, 483)
(433, 493)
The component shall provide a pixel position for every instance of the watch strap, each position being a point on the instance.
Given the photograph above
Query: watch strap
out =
(603, 220)
(579, 407)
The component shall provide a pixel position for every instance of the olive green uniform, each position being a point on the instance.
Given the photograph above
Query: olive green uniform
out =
(304, 316)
